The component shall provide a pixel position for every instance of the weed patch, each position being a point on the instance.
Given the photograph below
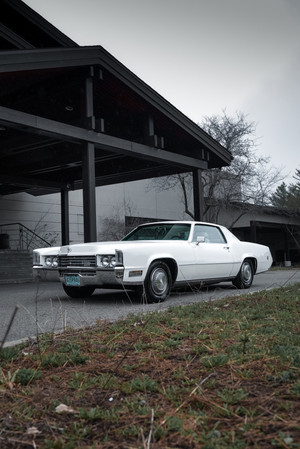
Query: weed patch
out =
(216, 375)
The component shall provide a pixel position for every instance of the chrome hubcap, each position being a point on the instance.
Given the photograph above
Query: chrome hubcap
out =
(159, 281)
(247, 272)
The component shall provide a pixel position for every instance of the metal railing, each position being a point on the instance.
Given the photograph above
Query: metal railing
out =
(18, 237)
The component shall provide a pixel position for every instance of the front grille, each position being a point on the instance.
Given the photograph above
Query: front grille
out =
(77, 261)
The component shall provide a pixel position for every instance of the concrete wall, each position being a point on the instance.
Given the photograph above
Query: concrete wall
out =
(41, 215)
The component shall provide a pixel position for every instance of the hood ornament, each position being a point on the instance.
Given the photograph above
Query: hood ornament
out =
(64, 250)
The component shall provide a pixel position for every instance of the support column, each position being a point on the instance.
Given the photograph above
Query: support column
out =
(89, 193)
(65, 227)
(88, 167)
(198, 195)
(287, 255)
(253, 236)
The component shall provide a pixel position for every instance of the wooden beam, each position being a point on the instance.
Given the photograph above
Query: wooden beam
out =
(76, 57)
(14, 38)
(32, 182)
(40, 125)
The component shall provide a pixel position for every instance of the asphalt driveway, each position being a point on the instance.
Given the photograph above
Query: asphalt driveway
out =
(44, 307)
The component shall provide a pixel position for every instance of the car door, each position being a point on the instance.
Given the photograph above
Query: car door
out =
(213, 258)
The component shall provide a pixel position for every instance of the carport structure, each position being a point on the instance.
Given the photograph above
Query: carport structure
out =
(76, 118)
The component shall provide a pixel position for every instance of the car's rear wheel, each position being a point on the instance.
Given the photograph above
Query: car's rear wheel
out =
(79, 292)
(158, 282)
(245, 276)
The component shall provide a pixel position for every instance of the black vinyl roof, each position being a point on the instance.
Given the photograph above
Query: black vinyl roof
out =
(44, 125)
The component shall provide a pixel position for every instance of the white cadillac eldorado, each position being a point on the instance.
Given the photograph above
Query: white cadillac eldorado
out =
(154, 258)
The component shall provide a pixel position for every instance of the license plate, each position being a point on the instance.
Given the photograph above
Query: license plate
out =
(72, 280)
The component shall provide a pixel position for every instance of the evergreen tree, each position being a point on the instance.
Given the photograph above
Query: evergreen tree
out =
(297, 177)
(287, 196)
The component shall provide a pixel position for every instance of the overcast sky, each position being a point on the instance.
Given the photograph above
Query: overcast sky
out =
(204, 56)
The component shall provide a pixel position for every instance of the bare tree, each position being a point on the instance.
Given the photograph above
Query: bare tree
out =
(114, 227)
(248, 180)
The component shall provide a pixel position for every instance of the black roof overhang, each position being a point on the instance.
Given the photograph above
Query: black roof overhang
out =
(118, 159)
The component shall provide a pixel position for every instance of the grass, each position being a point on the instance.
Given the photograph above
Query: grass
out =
(216, 375)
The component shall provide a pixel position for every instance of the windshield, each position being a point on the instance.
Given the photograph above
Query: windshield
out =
(160, 231)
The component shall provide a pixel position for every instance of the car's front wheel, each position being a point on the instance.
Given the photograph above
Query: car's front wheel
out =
(245, 276)
(158, 282)
(79, 292)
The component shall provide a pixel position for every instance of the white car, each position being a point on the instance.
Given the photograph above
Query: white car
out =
(154, 258)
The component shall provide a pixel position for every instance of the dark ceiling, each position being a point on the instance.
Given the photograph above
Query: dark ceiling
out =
(43, 114)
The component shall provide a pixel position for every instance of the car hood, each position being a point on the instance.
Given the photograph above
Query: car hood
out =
(110, 247)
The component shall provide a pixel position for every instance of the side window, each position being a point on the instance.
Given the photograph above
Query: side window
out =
(209, 234)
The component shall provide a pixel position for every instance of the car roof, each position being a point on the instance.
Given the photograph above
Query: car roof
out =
(179, 222)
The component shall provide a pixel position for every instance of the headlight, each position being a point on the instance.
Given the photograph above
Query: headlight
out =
(51, 261)
(48, 261)
(106, 261)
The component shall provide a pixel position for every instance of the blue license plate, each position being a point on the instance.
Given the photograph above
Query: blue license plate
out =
(72, 280)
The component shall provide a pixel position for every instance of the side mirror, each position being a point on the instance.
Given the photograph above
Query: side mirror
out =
(200, 239)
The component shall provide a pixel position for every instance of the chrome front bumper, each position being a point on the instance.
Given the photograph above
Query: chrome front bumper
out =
(45, 274)
(100, 278)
